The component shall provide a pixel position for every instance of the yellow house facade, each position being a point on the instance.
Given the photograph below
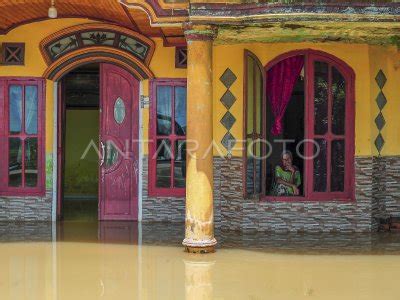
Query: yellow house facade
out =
(161, 111)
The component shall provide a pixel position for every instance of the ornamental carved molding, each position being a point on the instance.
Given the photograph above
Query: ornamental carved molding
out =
(96, 42)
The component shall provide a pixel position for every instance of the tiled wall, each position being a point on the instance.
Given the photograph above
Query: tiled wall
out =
(387, 185)
(376, 192)
(26, 208)
(30, 208)
(160, 209)
(172, 209)
(377, 196)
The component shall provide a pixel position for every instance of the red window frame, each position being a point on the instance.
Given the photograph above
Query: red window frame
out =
(254, 136)
(152, 162)
(5, 83)
(309, 195)
(348, 193)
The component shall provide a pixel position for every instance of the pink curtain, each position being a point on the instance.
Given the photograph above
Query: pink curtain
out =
(281, 79)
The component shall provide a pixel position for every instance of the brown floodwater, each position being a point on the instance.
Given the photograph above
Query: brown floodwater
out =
(118, 261)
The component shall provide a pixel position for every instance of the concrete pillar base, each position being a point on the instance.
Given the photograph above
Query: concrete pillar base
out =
(200, 250)
(204, 246)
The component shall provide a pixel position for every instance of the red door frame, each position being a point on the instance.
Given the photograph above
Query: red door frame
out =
(61, 141)
(310, 56)
(61, 117)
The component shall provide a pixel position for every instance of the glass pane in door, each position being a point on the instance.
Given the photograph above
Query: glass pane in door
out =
(119, 111)
(112, 154)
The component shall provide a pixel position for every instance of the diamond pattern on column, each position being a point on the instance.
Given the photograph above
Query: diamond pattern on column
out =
(380, 79)
(228, 141)
(381, 100)
(228, 120)
(380, 121)
(228, 78)
(228, 99)
(379, 142)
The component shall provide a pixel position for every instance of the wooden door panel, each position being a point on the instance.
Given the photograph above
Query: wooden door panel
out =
(119, 135)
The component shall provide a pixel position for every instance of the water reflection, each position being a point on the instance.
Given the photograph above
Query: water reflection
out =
(123, 260)
(198, 278)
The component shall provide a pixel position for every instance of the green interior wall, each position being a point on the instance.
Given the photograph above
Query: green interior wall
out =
(81, 175)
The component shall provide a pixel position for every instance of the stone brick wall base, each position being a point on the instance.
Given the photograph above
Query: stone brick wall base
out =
(26, 208)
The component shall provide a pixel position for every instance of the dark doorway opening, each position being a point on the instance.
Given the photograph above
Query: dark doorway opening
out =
(80, 103)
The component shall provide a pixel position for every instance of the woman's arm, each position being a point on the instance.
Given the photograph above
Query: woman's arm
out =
(281, 181)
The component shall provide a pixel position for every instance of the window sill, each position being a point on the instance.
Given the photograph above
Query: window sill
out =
(298, 199)
(157, 192)
(23, 194)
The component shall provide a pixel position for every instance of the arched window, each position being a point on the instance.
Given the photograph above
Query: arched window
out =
(307, 126)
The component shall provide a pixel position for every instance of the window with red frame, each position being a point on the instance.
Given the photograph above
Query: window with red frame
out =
(22, 138)
(317, 124)
(167, 145)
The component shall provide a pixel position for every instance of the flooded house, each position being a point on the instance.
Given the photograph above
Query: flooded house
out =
(250, 116)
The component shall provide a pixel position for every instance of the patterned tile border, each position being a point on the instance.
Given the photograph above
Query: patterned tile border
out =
(381, 101)
(228, 78)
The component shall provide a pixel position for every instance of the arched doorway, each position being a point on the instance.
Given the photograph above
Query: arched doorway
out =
(98, 143)
(306, 110)
(123, 57)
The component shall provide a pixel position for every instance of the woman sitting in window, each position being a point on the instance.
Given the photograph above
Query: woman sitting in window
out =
(287, 177)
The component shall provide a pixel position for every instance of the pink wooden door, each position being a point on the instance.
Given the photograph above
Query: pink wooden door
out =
(118, 182)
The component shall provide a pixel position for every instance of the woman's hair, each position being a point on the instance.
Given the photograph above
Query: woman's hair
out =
(287, 152)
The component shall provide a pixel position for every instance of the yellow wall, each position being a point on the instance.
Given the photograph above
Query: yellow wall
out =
(365, 61)
(387, 59)
(162, 64)
(31, 35)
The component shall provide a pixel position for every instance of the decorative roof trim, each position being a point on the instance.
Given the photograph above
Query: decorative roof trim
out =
(251, 13)
(158, 14)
